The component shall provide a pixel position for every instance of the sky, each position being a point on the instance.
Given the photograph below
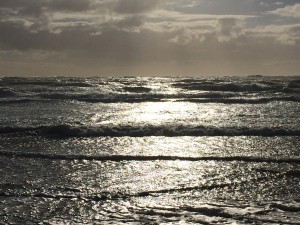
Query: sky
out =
(149, 37)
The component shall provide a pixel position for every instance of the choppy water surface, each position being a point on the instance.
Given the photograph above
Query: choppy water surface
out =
(150, 150)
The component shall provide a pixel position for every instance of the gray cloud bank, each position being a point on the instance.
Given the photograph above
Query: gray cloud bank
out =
(145, 37)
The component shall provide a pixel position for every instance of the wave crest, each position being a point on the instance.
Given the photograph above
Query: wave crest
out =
(65, 131)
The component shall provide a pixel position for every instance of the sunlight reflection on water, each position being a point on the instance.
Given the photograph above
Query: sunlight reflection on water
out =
(157, 113)
(191, 114)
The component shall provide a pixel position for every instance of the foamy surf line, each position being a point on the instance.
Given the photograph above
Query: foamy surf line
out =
(66, 131)
(118, 158)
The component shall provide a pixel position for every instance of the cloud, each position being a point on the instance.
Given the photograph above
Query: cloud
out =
(288, 11)
(30, 8)
(184, 36)
(35, 8)
(69, 5)
(237, 7)
(130, 22)
(284, 34)
(228, 29)
(135, 6)
(150, 35)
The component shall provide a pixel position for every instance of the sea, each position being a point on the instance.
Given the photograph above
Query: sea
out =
(150, 150)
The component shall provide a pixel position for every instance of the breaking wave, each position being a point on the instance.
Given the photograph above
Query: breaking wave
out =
(65, 131)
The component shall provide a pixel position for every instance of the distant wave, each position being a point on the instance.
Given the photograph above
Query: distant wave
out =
(225, 98)
(138, 85)
(18, 101)
(65, 131)
(231, 87)
(243, 100)
(135, 90)
(118, 158)
(7, 92)
(264, 86)
(101, 98)
(291, 173)
(286, 208)
(205, 98)
(213, 98)
(52, 82)
(12, 190)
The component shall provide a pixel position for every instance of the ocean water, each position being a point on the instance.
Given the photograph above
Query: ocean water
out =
(138, 150)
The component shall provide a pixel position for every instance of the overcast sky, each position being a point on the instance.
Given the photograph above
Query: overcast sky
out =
(149, 37)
